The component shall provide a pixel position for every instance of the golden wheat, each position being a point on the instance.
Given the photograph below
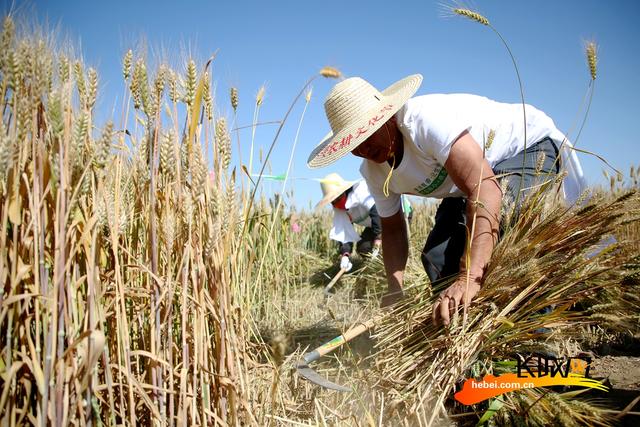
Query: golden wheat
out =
(330, 72)
(592, 58)
(474, 16)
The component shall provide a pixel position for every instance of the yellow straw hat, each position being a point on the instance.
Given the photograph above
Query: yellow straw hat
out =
(332, 186)
(355, 110)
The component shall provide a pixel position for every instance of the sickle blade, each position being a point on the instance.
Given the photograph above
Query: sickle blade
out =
(306, 372)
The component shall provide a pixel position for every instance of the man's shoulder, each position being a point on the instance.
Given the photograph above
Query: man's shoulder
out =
(440, 100)
(424, 107)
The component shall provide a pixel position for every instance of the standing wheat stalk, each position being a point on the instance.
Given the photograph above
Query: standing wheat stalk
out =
(328, 72)
(256, 111)
(591, 52)
(477, 17)
(257, 284)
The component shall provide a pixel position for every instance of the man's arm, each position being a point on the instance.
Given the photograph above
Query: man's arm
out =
(376, 222)
(472, 174)
(395, 247)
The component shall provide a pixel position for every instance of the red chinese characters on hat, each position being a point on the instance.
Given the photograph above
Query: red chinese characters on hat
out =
(375, 119)
(348, 139)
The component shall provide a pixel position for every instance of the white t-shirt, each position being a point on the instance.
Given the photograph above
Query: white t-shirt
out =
(359, 203)
(431, 123)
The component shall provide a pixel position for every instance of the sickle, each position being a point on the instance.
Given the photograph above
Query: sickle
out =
(305, 370)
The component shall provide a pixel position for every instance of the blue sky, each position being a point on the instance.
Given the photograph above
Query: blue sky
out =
(283, 43)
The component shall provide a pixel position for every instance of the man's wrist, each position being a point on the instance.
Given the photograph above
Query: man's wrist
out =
(474, 277)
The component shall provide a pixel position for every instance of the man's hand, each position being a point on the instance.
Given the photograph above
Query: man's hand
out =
(451, 298)
(345, 263)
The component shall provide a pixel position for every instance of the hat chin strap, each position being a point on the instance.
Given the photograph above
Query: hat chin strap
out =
(385, 187)
(389, 138)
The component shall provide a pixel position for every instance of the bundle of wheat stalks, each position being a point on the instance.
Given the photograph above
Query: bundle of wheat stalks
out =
(551, 257)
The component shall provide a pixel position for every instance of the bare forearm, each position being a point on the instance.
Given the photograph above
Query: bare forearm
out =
(483, 222)
(471, 173)
(395, 247)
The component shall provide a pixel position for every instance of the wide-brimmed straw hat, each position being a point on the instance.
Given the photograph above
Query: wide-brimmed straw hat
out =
(355, 110)
(332, 186)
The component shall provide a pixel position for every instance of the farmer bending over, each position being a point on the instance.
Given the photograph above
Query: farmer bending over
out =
(352, 203)
(432, 146)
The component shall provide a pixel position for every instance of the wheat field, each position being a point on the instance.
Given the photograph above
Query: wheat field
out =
(145, 279)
